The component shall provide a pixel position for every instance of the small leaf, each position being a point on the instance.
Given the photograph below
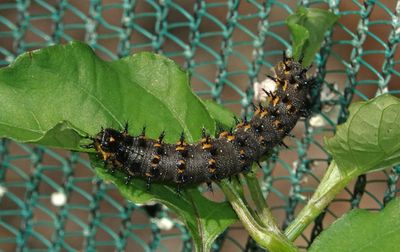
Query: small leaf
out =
(300, 36)
(360, 230)
(370, 138)
(57, 95)
(307, 27)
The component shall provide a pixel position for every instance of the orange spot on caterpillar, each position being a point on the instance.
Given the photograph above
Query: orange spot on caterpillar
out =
(285, 85)
(290, 108)
(281, 65)
(275, 100)
(205, 140)
(206, 146)
(263, 114)
(240, 125)
(155, 160)
(105, 155)
(277, 124)
(223, 134)
(180, 148)
(181, 164)
(212, 165)
(231, 138)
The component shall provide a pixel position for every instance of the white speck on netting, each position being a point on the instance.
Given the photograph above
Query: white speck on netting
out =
(164, 223)
(294, 165)
(3, 191)
(317, 121)
(382, 91)
(10, 58)
(267, 84)
(86, 232)
(58, 198)
(126, 20)
(327, 94)
(304, 180)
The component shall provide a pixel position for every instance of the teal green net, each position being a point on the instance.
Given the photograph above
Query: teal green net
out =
(50, 200)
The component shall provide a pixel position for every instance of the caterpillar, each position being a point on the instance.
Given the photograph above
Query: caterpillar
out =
(212, 159)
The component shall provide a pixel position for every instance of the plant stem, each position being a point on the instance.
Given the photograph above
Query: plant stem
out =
(332, 183)
(268, 238)
(259, 200)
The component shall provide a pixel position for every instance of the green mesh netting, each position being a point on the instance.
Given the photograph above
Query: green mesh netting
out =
(50, 199)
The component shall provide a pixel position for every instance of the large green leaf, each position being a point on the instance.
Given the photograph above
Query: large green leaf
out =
(360, 230)
(370, 138)
(47, 92)
(55, 96)
(307, 27)
(368, 141)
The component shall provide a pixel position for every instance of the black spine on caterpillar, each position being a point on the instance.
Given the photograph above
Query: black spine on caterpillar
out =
(212, 159)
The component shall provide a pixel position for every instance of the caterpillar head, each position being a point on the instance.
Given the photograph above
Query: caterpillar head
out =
(290, 69)
(107, 141)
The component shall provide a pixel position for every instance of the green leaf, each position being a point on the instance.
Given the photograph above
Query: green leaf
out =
(360, 230)
(370, 138)
(307, 27)
(223, 116)
(57, 95)
(69, 85)
(300, 36)
(368, 141)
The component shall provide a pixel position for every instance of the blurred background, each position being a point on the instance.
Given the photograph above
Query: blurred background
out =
(51, 200)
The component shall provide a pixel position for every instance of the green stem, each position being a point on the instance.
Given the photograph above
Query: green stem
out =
(332, 183)
(267, 238)
(259, 200)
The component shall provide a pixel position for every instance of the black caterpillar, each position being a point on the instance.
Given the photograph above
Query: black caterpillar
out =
(212, 159)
